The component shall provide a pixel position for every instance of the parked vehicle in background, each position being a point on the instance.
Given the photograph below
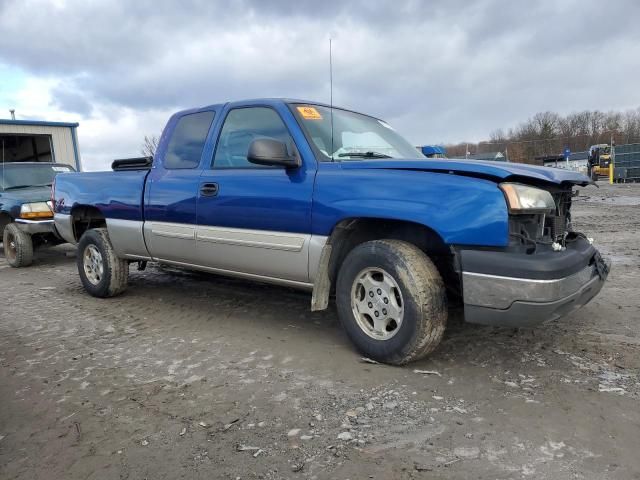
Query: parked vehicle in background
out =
(433, 151)
(599, 161)
(26, 217)
(336, 202)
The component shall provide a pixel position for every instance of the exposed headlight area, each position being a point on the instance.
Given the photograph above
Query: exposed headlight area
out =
(538, 218)
(36, 211)
(524, 199)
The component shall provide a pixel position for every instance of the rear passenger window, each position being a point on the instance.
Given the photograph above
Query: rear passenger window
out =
(187, 141)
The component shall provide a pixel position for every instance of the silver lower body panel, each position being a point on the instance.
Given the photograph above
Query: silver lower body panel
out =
(274, 257)
(64, 227)
(127, 238)
(248, 276)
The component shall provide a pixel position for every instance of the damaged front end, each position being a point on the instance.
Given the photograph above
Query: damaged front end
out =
(546, 271)
(544, 228)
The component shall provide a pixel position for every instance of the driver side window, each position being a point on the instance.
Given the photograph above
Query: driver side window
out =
(241, 127)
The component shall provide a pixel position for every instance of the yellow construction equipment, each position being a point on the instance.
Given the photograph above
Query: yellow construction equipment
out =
(599, 161)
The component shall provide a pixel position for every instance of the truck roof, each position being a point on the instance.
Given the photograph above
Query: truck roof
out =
(266, 100)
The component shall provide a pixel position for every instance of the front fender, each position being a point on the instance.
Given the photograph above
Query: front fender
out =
(462, 210)
(10, 207)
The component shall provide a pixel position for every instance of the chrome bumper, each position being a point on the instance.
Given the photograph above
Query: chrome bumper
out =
(36, 226)
(518, 302)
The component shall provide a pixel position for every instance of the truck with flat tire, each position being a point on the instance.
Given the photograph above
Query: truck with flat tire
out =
(331, 201)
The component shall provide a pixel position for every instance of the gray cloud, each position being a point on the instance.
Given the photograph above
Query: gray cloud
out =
(439, 71)
(71, 100)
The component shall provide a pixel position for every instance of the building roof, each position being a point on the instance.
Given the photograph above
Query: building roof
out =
(38, 123)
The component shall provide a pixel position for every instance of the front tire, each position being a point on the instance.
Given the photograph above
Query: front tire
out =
(391, 301)
(102, 273)
(18, 246)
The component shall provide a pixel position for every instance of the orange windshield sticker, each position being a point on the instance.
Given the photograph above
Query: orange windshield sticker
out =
(309, 113)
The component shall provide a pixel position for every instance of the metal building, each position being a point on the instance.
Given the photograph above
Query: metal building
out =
(39, 141)
(627, 163)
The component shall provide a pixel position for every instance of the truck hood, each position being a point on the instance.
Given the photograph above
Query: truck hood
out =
(498, 171)
(26, 195)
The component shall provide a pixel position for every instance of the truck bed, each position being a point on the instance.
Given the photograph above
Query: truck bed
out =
(117, 194)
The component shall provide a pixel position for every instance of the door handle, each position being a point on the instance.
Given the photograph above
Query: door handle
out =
(209, 189)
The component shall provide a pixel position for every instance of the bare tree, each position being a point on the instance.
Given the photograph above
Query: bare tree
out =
(497, 136)
(149, 146)
(547, 133)
(498, 141)
(631, 125)
(613, 121)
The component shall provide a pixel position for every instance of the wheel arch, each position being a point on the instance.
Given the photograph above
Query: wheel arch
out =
(85, 217)
(350, 232)
(5, 219)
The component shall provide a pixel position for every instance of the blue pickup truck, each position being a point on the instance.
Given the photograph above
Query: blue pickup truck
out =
(337, 203)
(26, 218)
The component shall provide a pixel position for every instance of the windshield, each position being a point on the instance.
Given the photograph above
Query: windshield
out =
(600, 150)
(23, 176)
(355, 136)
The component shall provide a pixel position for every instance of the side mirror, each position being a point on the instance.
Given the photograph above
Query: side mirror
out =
(267, 151)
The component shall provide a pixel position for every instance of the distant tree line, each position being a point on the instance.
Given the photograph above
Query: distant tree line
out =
(548, 133)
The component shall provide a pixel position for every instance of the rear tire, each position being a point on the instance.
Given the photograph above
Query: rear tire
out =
(391, 301)
(102, 273)
(18, 246)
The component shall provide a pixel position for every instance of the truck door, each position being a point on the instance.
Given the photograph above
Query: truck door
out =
(255, 219)
(172, 188)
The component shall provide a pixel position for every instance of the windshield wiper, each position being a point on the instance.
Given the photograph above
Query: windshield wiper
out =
(364, 155)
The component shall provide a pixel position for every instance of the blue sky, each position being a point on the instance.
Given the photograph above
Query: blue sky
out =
(438, 71)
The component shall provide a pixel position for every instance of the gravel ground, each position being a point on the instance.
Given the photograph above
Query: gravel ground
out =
(194, 376)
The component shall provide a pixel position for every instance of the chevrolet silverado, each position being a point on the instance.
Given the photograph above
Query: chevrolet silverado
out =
(337, 203)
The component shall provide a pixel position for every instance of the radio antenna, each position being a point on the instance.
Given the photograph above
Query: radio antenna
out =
(331, 95)
(3, 164)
